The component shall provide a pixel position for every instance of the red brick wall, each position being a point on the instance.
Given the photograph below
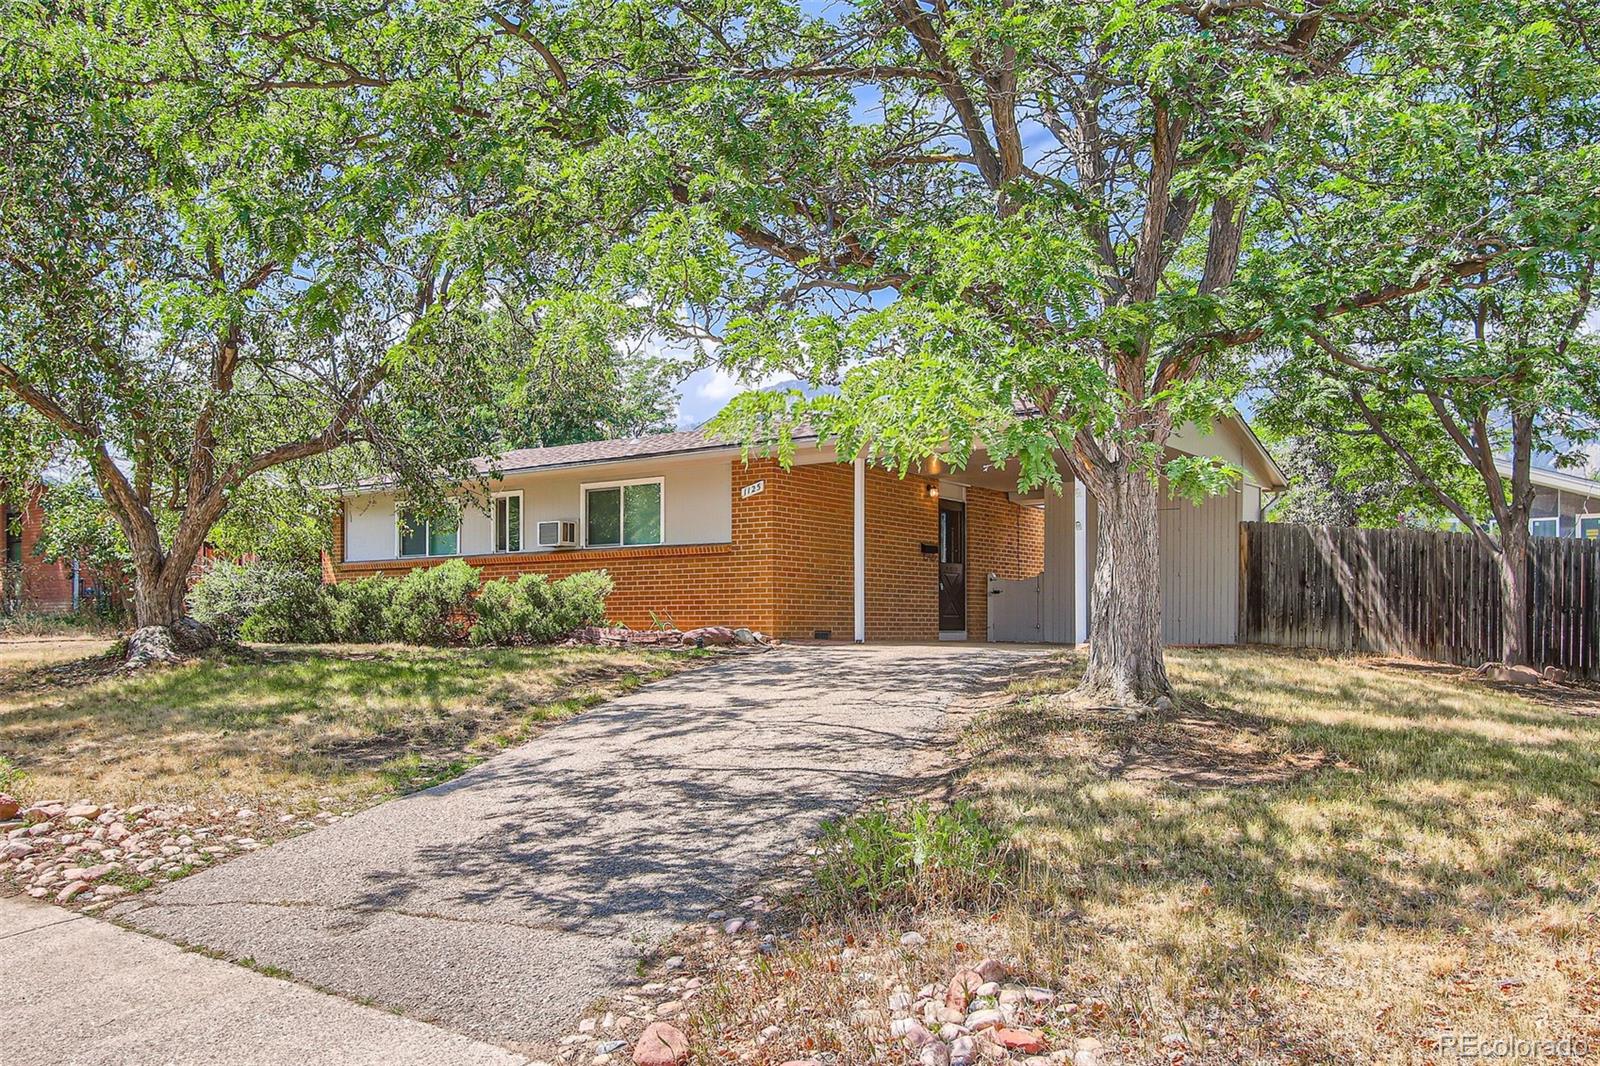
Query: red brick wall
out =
(787, 570)
(46, 586)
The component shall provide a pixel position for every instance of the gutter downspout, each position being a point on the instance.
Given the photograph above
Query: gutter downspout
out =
(77, 584)
(861, 549)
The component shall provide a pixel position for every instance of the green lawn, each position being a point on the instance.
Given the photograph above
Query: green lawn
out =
(284, 725)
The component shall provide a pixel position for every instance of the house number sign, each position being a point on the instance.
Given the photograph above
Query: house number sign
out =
(755, 488)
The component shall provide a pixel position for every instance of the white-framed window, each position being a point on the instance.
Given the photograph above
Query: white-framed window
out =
(506, 511)
(1545, 527)
(620, 514)
(418, 537)
(1589, 527)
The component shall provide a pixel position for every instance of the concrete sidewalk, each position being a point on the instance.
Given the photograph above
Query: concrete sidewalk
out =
(84, 991)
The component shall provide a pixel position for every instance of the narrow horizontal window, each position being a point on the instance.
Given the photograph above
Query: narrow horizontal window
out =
(421, 537)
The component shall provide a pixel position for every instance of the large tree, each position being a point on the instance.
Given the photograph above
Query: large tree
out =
(1054, 229)
(246, 239)
(1455, 396)
(1453, 392)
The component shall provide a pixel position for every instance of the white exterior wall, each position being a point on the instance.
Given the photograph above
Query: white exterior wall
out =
(1058, 585)
(697, 505)
(1200, 568)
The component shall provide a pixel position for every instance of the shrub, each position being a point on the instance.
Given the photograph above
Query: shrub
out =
(501, 613)
(580, 600)
(430, 604)
(297, 613)
(228, 594)
(534, 610)
(890, 859)
(356, 611)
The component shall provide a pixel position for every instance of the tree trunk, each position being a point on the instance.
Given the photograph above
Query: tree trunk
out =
(160, 588)
(155, 601)
(1126, 662)
(1515, 549)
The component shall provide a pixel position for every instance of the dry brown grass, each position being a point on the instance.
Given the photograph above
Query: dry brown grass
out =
(1316, 860)
(285, 725)
(19, 654)
(1379, 856)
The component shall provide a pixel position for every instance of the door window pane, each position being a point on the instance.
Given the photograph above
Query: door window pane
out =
(605, 516)
(641, 514)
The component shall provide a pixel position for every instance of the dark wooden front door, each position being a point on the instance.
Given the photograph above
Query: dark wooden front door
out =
(952, 566)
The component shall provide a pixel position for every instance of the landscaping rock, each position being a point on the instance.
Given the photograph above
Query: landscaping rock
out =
(991, 970)
(912, 939)
(661, 1045)
(8, 807)
(66, 895)
(1023, 1040)
(709, 636)
(963, 986)
(913, 1032)
(979, 1020)
(964, 1051)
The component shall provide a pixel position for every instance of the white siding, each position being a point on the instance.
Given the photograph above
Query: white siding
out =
(1058, 584)
(697, 498)
(369, 528)
(1252, 503)
(1200, 569)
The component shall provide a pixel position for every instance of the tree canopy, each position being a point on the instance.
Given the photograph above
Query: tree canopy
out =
(1059, 231)
(248, 238)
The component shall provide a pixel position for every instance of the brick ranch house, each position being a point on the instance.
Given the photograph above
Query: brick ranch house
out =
(694, 535)
(30, 583)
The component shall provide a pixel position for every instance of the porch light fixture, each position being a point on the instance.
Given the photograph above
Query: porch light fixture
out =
(933, 492)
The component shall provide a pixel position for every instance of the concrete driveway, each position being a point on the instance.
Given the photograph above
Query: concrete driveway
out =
(500, 904)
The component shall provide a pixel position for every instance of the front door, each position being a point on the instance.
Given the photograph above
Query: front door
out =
(952, 566)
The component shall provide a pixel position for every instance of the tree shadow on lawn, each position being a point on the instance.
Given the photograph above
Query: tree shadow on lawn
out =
(352, 706)
(1406, 816)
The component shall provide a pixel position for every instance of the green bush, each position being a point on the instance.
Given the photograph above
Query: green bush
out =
(580, 600)
(893, 859)
(431, 604)
(356, 609)
(501, 613)
(296, 613)
(228, 594)
(534, 610)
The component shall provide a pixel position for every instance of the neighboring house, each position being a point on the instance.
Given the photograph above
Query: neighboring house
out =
(29, 582)
(1564, 505)
(693, 535)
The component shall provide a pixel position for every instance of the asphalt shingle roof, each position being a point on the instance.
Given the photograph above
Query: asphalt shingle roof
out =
(600, 451)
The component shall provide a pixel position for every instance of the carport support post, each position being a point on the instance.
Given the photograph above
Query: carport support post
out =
(860, 589)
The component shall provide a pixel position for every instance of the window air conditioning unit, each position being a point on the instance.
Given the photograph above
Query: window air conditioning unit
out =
(558, 534)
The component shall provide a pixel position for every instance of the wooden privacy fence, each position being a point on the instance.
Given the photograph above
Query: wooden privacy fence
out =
(1413, 592)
